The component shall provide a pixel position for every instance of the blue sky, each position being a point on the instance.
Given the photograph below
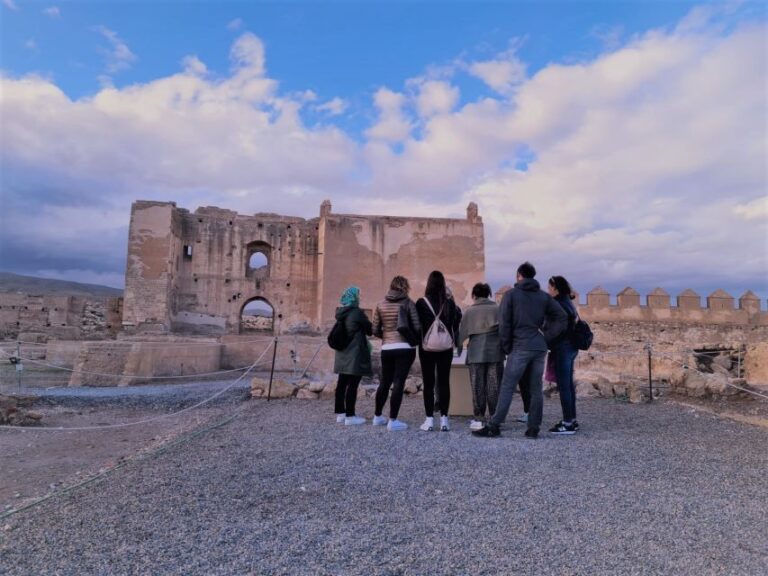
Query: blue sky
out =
(617, 143)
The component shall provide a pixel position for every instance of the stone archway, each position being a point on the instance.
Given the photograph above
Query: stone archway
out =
(257, 315)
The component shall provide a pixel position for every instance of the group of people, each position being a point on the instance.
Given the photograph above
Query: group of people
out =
(507, 348)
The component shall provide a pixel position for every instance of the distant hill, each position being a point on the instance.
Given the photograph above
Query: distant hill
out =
(47, 286)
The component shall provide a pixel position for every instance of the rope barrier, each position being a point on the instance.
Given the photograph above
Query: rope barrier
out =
(146, 420)
(75, 370)
(305, 339)
(685, 366)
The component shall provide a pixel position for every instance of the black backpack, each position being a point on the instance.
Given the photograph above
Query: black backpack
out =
(582, 335)
(338, 339)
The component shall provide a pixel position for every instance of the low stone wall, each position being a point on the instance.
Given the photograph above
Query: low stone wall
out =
(62, 352)
(121, 363)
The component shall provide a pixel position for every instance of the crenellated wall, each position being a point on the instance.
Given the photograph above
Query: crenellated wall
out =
(719, 307)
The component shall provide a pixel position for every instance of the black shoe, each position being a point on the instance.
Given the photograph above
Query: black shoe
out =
(531, 433)
(575, 425)
(487, 431)
(563, 429)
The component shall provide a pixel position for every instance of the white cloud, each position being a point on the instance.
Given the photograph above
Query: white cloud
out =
(52, 12)
(10, 4)
(333, 107)
(609, 36)
(247, 53)
(235, 24)
(118, 56)
(30, 44)
(392, 126)
(192, 65)
(757, 208)
(501, 75)
(436, 97)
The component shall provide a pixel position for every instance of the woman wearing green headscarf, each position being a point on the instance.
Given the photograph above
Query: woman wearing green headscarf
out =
(354, 362)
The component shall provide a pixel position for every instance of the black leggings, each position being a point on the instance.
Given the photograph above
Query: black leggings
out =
(436, 363)
(346, 393)
(395, 365)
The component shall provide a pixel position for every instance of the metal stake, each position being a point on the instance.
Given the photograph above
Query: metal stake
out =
(19, 365)
(272, 371)
(650, 372)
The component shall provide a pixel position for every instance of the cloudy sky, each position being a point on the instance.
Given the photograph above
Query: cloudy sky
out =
(616, 143)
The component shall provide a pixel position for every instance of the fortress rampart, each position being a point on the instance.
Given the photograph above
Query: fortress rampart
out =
(719, 308)
(59, 317)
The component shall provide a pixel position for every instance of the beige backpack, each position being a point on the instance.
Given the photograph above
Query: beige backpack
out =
(438, 338)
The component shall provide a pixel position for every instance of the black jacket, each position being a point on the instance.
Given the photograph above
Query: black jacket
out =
(529, 318)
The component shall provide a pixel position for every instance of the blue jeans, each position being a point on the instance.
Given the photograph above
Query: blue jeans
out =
(564, 354)
(517, 363)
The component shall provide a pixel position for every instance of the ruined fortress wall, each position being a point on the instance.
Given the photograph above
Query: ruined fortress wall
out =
(28, 317)
(191, 272)
(367, 251)
(218, 281)
(152, 246)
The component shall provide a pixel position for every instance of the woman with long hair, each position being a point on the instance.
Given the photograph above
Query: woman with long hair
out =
(436, 364)
(354, 362)
(395, 321)
(564, 354)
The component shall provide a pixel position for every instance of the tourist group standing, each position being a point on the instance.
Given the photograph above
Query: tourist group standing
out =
(506, 348)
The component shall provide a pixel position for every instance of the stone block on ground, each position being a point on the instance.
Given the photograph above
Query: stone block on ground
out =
(280, 388)
(304, 394)
(413, 384)
(13, 415)
(316, 386)
(604, 387)
(329, 391)
(586, 389)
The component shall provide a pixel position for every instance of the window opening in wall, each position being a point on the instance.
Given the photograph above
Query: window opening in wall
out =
(257, 316)
(188, 251)
(258, 261)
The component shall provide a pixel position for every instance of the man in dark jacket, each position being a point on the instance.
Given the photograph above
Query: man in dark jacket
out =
(528, 319)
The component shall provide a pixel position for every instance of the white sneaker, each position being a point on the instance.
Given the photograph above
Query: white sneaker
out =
(523, 417)
(429, 425)
(396, 426)
(444, 426)
(476, 425)
(354, 420)
(379, 420)
(340, 418)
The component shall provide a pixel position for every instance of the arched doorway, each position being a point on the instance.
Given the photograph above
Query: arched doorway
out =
(258, 315)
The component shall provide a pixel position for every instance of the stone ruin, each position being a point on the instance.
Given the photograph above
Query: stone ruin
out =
(199, 272)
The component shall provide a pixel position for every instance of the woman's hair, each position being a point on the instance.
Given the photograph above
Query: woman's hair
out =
(436, 289)
(400, 283)
(562, 286)
(481, 290)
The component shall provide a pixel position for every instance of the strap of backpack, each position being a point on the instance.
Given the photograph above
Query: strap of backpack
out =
(432, 309)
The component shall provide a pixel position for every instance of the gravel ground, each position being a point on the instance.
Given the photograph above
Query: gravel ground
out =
(642, 489)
